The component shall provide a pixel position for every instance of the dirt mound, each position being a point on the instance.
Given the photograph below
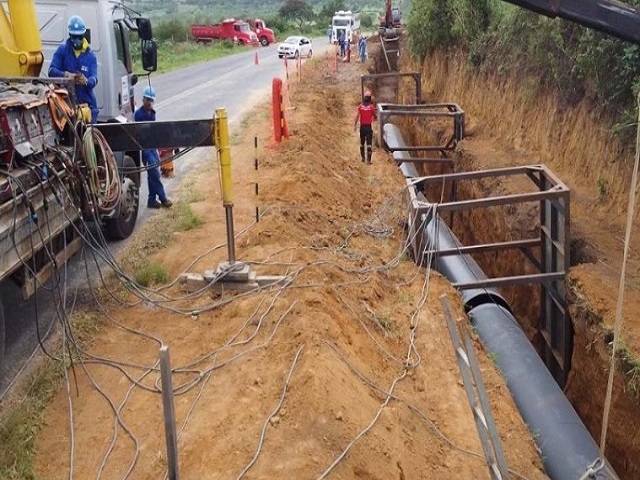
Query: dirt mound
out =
(298, 378)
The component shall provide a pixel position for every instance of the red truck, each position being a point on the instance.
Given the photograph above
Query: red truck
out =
(265, 35)
(230, 29)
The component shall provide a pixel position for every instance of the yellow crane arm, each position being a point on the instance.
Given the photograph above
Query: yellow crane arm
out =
(20, 42)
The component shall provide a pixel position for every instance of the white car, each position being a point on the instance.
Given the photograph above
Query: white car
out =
(294, 47)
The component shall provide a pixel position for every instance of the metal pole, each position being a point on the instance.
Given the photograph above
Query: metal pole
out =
(224, 151)
(231, 242)
(255, 164)
(169, 414)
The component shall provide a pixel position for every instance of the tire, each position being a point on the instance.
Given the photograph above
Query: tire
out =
(264, 41)
(122, 226)
(297, 54)
(310, 54)
(241, 43)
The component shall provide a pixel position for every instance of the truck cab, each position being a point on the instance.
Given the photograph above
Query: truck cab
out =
(108, 33)
(231, 29)
(343, 24)
(265, 35)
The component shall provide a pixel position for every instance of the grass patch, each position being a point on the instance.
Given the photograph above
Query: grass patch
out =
(25, 414)
(19, 428)
(404, 297)
(602, 188)
(193, 196)
(149, 274)
(176, 55)
(185, 218)
(631, 368)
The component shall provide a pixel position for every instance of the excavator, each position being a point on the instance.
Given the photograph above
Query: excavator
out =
(391, 22)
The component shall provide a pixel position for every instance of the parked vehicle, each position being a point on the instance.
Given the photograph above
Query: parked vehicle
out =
(231, 29)
(344, 25)
(56, 173)
(265, 35)
(294, 47)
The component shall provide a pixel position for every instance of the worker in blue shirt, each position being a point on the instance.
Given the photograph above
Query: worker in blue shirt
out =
(362, 48)
(75, 59)
(150, 157)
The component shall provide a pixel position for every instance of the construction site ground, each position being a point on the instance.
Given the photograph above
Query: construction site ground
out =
(297, 378)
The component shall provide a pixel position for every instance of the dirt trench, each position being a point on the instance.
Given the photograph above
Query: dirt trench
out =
(587, 380)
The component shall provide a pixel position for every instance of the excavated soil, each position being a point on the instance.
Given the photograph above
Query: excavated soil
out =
(505, 128)
(297, 378)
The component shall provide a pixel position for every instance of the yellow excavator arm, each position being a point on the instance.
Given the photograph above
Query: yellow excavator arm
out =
(20, 42)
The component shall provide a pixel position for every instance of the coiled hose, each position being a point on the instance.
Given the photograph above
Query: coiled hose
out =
(102, 170)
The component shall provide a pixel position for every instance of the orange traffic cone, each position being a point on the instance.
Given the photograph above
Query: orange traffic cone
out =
(255, 59)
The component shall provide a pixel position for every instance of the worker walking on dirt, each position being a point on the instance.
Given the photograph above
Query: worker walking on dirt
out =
(150, 157)
(366, 115)
(342, 43)
(75, 59)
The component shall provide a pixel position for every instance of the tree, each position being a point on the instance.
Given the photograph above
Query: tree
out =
(327, 11)
(297, 11)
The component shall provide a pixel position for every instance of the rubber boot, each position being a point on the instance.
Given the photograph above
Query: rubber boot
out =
(362, 152)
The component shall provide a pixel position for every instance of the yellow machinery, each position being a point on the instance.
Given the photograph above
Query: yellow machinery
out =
(20, 42)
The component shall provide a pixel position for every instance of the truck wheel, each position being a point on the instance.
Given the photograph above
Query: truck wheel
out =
(122, 226)
(264, 41)
(241, 43)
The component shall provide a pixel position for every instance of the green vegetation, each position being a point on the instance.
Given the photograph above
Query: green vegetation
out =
(185, 218)
(149, 274)
(25, 415)
(575, 63)
(173, 55)
(206, 11)
(18, 429)
(602, 188)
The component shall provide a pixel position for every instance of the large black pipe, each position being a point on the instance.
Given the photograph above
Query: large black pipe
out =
(608, 16)
(566, 445)
(567, 448)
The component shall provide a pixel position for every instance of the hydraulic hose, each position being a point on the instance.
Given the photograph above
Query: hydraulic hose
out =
(102, 170)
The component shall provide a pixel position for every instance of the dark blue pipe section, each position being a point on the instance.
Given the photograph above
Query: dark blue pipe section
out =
(567, 448)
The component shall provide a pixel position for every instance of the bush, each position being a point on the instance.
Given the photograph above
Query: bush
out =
(150, 274)
(430, 26)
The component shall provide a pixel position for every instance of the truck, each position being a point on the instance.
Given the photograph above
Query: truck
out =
(343, 24)
(265, 35)
(230, 29)
(60, 176)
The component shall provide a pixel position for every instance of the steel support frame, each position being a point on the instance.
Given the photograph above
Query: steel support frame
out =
(417, 78)
(552, 243)
(386, 111)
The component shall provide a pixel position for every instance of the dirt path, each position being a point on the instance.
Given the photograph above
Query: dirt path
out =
(329, 345)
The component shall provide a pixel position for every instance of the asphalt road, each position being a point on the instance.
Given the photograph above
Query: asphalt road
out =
(235, 83)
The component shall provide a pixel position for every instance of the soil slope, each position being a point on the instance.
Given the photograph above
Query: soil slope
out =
(296, 377)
